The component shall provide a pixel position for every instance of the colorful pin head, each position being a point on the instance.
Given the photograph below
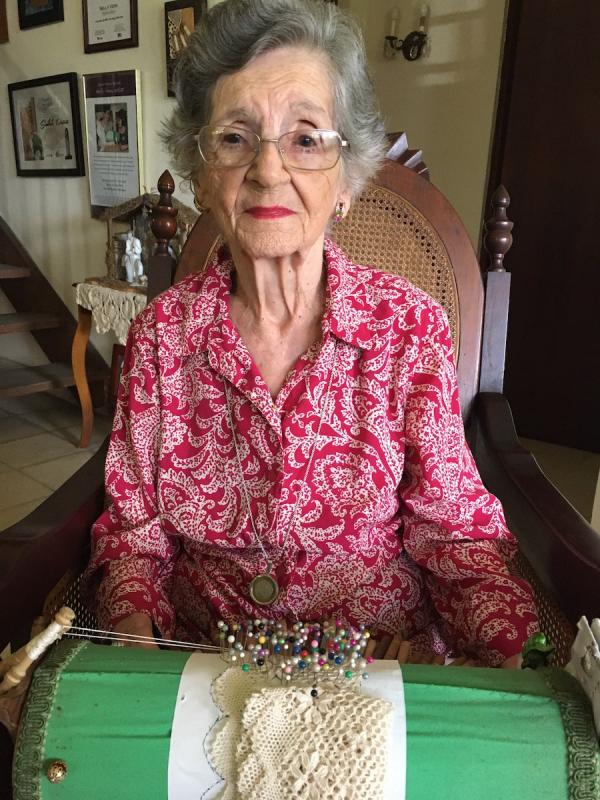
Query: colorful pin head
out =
(303, 652)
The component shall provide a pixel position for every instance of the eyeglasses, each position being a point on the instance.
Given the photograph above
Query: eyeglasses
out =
(305, 149)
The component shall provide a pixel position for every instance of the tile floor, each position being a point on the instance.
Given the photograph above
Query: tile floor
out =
(574, 472)
(39, 437)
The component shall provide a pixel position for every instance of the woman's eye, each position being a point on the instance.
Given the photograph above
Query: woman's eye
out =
(232, 138)
(305, 140)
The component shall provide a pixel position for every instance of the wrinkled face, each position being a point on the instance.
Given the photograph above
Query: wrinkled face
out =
(266, 209)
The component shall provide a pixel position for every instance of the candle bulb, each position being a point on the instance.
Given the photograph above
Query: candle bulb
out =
(394, 22)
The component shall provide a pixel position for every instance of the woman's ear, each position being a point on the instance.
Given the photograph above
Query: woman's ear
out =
(198, 187)
(200, 197)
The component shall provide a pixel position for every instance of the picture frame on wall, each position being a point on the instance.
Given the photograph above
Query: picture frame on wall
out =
(113, 137)
(33, 13)
(181, 17)
(109, 26)
(46, 125)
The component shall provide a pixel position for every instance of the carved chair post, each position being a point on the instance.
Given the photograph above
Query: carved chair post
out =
(497, 242)
(164, 228)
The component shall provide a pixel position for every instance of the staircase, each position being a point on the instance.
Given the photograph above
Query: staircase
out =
(39, 310)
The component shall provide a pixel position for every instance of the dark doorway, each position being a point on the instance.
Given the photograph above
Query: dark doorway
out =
(547, 153)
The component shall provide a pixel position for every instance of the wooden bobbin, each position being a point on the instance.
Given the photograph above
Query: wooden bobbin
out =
(15, 666)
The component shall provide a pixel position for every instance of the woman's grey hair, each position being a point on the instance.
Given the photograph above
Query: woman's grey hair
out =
(236, 31)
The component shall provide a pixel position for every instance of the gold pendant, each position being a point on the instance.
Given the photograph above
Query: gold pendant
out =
(264, 590)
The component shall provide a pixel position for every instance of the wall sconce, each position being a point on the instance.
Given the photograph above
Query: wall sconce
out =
(413, 44)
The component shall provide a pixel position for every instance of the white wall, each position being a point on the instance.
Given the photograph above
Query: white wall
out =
(445, 103)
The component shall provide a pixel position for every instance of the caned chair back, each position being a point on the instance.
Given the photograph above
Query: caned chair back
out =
(401, 224)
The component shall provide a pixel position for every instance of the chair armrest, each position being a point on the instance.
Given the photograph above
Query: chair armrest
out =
(37, 551)
(562, 547)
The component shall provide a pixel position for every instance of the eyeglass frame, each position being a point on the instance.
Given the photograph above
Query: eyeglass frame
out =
(260, 140)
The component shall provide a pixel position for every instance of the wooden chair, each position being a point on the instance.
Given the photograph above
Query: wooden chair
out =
(403, 224)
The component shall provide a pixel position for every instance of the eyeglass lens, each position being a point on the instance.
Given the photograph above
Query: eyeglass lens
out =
(301, 149)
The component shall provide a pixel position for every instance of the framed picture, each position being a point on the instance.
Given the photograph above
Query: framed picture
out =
(109, 26)
(46, 126)
(113, 137)
(39, 12)
(181, 17)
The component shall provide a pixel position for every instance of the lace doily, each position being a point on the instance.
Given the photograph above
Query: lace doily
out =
(585, 663)
(276, 743)
(111, 309)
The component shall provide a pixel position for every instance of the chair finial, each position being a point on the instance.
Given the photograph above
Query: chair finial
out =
(498, 238)
(164, 222)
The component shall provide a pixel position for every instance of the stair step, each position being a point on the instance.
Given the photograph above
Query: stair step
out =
(30, 380)
(27, 321)
(8, 271)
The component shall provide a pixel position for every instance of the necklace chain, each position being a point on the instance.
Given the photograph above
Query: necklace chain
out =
(244, 485)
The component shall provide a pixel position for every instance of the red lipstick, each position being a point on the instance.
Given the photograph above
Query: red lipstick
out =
(269, 212)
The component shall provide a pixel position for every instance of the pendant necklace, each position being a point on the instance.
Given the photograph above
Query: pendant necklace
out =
(264, 589)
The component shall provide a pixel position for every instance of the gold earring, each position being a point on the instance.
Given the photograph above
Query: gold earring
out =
(338, 214)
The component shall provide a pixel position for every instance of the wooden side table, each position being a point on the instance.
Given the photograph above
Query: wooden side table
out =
(112, 305)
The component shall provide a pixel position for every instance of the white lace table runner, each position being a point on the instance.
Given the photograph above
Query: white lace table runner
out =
(111, 309)
(274, 743)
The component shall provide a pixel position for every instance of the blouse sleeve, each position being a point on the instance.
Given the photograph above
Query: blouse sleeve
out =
(132, 555)
(452, 527)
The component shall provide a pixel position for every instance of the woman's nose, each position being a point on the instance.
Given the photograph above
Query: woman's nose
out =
(268, 168)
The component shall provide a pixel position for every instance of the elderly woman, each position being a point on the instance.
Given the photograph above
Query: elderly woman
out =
(288, 441)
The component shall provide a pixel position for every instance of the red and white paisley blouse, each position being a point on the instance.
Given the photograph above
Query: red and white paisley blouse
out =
(393, 529)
